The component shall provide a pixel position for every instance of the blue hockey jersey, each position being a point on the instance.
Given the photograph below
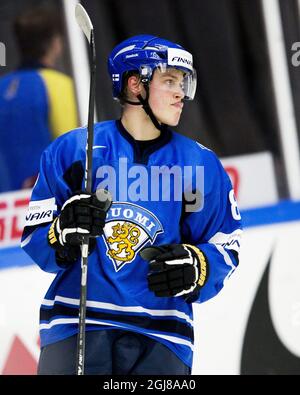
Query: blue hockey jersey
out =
(176, 191)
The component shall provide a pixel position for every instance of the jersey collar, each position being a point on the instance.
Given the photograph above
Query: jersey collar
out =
(143, 157)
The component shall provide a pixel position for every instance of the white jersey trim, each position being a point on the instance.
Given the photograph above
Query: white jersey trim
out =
(40, 211)
(230, 241)
(63, 321)
(128, 309)
(227, 260)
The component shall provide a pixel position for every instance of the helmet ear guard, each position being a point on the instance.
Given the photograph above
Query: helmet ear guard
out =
(146, 73)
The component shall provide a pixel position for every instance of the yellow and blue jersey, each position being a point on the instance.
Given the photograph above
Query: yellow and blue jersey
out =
(36, 106)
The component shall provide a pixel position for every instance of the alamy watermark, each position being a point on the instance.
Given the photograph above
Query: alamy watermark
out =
(127, 182)
(2, 54)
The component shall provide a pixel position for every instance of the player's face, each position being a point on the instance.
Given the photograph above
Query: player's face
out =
(166, 96)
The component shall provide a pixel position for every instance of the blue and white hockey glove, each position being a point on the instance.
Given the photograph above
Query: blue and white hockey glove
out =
(82, 214)
(176, 270)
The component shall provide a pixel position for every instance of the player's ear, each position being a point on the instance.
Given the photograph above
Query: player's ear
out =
(134, 85)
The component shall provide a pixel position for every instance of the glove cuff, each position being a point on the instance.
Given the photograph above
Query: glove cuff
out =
(53, 238)
(202, 263)
(65, 255)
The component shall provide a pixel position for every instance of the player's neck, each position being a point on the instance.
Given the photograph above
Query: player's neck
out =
(138, 124)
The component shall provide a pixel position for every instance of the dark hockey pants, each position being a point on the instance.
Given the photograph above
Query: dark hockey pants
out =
(112, 352)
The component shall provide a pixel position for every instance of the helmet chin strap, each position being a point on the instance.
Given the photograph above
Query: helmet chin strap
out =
(145, 103)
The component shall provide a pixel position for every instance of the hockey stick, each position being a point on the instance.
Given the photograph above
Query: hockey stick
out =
(86, 26)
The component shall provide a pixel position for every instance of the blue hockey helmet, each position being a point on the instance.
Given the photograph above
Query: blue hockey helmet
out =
(145, 53)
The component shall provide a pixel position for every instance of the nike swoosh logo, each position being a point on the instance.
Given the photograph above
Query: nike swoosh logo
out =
(263, 352)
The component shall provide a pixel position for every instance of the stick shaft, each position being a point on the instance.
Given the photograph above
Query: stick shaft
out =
(88, 188)
(90, 134)
(82, 317)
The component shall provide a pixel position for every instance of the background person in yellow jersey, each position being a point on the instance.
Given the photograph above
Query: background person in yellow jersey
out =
(37, 102)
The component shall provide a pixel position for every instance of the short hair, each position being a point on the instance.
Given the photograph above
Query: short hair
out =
(34, 30)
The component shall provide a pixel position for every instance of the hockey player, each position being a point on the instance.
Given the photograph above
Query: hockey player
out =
(37, 102)
(158, 248)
